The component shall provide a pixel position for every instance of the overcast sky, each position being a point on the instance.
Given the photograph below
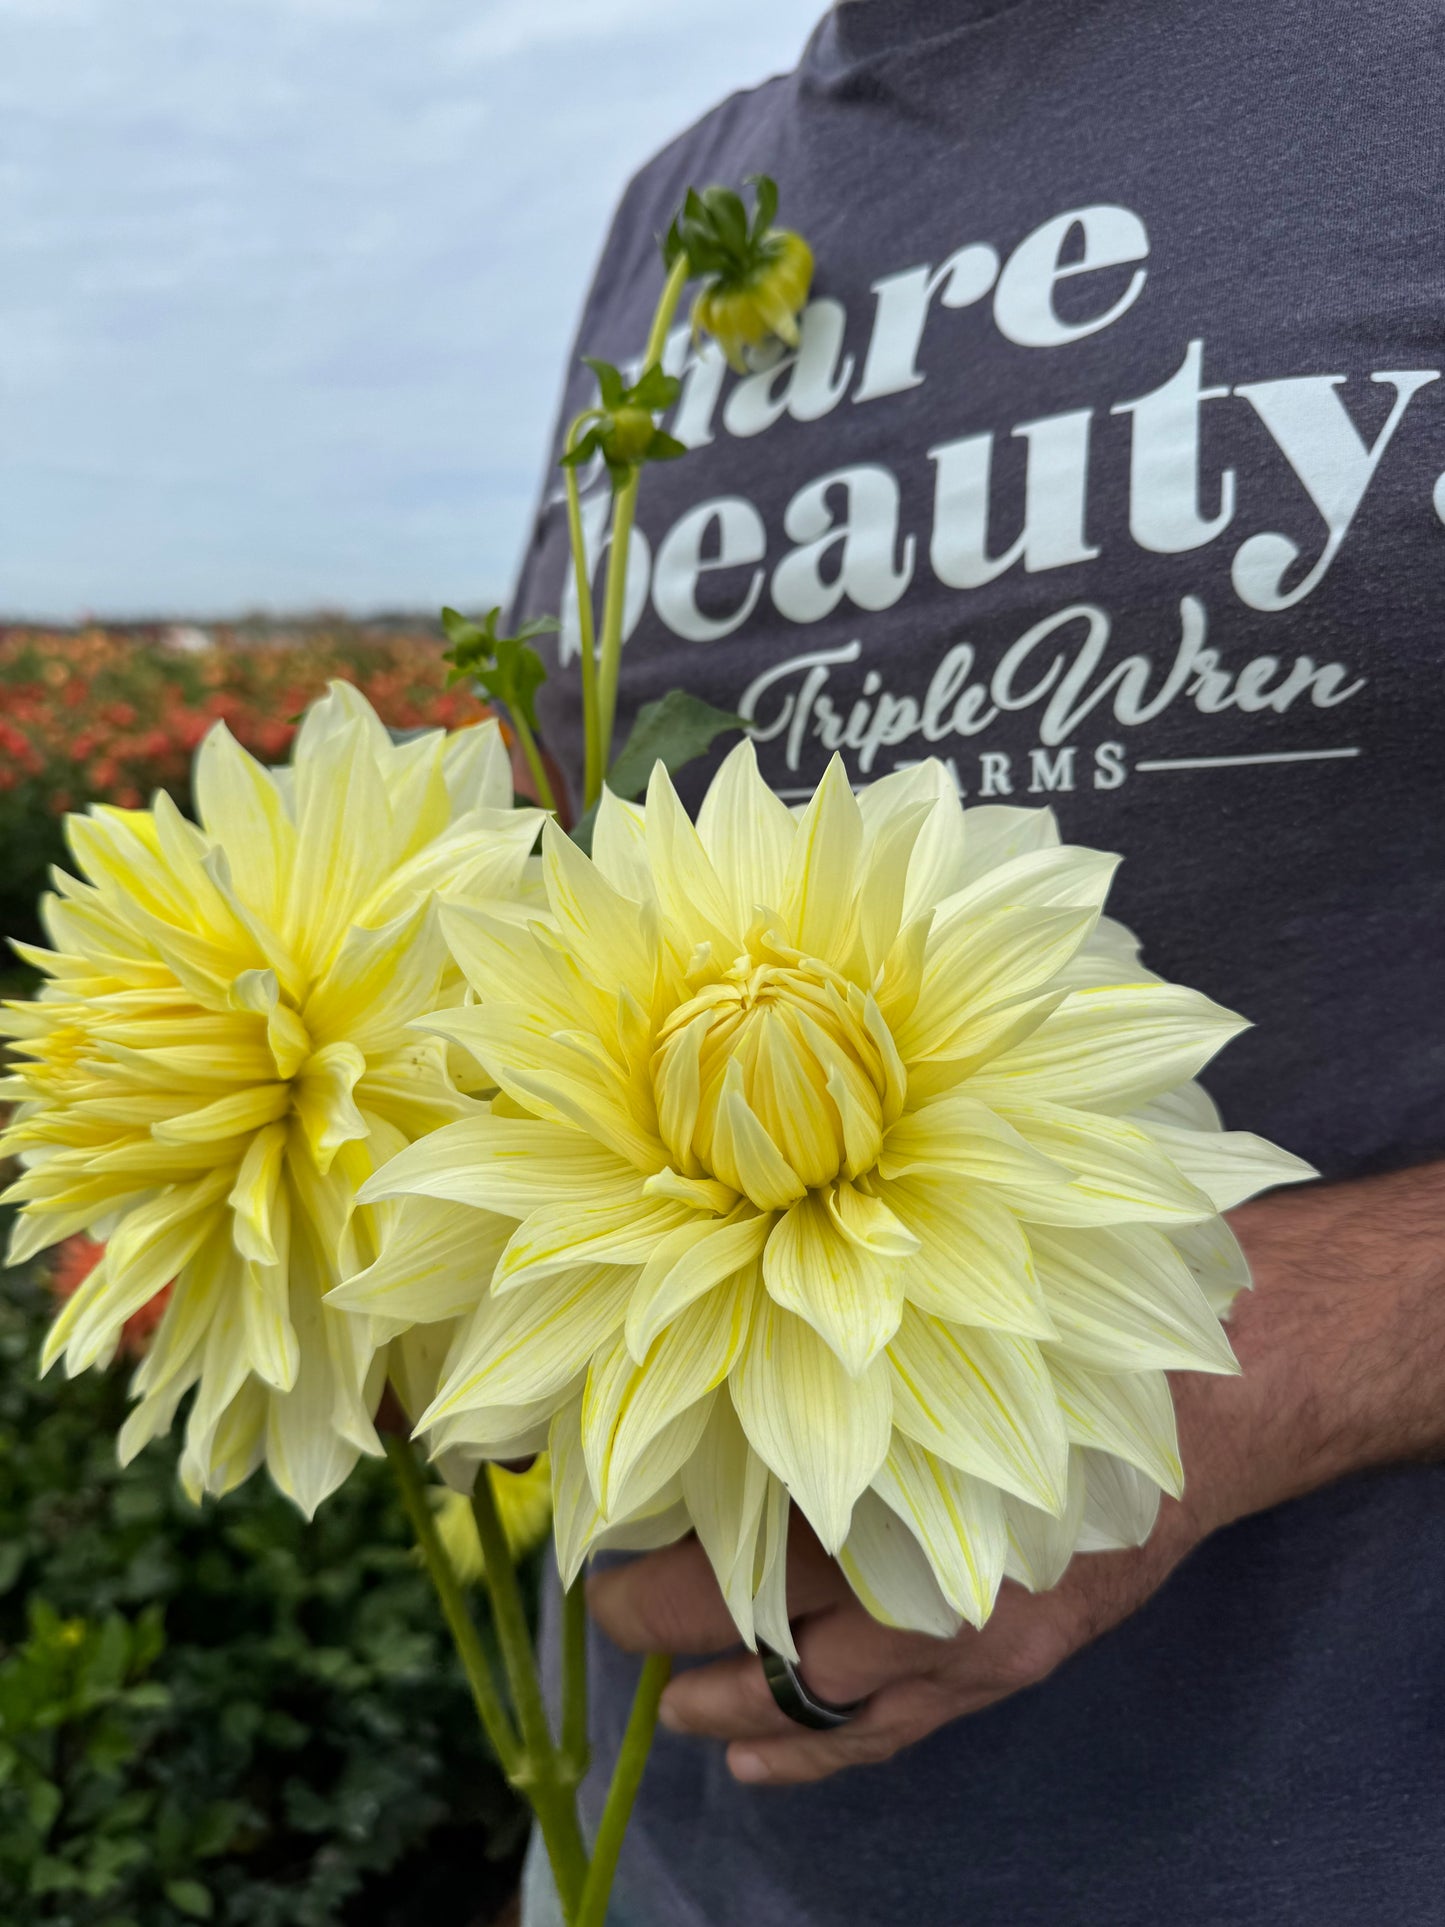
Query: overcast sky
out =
(262, 260)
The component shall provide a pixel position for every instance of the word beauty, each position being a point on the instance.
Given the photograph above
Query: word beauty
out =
(843, 536)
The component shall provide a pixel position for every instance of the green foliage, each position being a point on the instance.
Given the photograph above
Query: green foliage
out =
(220, 1714)
(507, 667)
(714, 231)
(623, 431)
(675, 730)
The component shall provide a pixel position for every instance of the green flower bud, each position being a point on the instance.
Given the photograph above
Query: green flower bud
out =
(756, 276)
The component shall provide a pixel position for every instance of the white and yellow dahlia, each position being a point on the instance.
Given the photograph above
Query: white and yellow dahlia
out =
(846, 1158)
(220, 1055)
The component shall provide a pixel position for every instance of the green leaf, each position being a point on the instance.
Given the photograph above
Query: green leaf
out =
(674, 731)
(665, 448)
(765, 203)
(189, 1897)
(611, 388)
(653, 389)
(12, 1561)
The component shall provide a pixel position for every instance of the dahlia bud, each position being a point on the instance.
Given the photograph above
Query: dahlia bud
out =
(756, 276)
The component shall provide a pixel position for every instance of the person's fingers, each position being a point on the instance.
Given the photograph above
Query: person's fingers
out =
(728, 1700)
(669, 1602)
(897, 1717)
(843, 1655)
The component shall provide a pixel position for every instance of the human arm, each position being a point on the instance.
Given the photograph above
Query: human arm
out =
(1342, 1343)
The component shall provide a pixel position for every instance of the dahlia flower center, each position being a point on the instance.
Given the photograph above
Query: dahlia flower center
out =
(790, 1040)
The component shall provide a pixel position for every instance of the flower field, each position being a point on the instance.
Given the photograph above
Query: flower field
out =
(207, 1712)
(112, 714)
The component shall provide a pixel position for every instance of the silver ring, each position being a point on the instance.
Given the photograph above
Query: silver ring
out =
(792, 1697)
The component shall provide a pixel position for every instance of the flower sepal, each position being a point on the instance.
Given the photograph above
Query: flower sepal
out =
(624, 430)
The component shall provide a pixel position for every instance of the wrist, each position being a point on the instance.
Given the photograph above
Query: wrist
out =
(1341, 1344)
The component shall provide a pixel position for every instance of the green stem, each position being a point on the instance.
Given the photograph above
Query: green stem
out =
(586, 628)
(623, 511)
(553, 1801)
(534, 761)
(574, 1679)
(453, 1602)
(626, 1778)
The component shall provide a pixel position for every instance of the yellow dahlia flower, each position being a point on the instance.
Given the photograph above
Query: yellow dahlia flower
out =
(848, 1159)
(221, 1054)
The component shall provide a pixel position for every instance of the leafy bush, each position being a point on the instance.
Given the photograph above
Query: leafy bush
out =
(101, 715)
(222, 1713)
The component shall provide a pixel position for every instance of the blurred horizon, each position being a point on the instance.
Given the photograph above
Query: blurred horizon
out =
(252, 362)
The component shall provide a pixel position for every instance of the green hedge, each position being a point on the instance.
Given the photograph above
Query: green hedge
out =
(221, 1714)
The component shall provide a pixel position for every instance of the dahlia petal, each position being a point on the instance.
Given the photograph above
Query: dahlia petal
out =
(748, 833)
(724, 1486)
(477, 768)
(1065, 876)
(619, 847)
(985, 1402)
(543, 1074)
(849, 1293)
(891, 1574)
(822, 1431)
(771, 1622)
(216, 1278)
(885, 880)
(576, 1519)
(866, 1220)
(1228, 1166)
(146, 1252)
(504, 1164)
(685, 1264)
(689, 891)
(703, 1194)
(343, 825)
(973, 1265)
(238, 1112)
(745, 1156)
(323, 1102)
(820, 890)
(270, 1338)
(1040, 1545)
(975, 963)
(377, 982)
(436, 1263)
(661, 1522)
(997, 833)
(958, 1520)
(1120, 1503)
(958, 1137)
(305, 1453)
(1127, 1413)
(240, 807)
(559, 1237)
(235, 1447)
(976, 1043)
(1215, 1256)
(1120, 1175)
(626, 1407)
(1111, 1049)
(1124, 1300)
(527, 1344)
(605, 931)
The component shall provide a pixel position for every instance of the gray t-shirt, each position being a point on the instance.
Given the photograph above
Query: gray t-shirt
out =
(1109, 470)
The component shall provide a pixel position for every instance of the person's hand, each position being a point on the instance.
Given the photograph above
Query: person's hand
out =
(1343, 1344)
(912, 1684)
